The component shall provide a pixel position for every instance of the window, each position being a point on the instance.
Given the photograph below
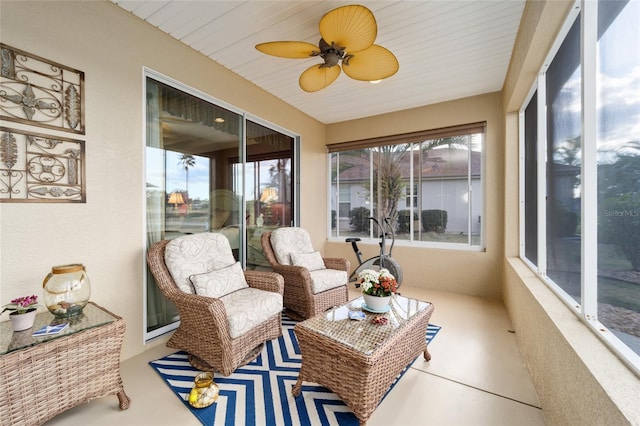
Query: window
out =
(531, 180)
(618, 168)
(564, 187)
(345, 202)
(429, 184)
(210, 169)
(589, 253)
(411, 196)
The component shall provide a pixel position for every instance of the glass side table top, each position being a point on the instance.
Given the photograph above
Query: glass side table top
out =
(363, 336)
(91, 316)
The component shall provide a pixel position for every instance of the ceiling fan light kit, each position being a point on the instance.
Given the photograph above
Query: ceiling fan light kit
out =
(348, 33)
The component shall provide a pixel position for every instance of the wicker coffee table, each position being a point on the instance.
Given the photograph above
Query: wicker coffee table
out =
(359, 360)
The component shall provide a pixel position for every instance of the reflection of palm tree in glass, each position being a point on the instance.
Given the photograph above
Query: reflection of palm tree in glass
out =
(387, 177)
(280, 186)
(279, 175)
(187, 160)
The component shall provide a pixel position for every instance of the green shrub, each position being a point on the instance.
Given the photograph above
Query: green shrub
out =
(359, 219)
(404, 221)
(434, 221)
(333, 219)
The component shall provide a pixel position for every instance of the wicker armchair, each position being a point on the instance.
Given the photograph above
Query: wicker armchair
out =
(206, 329)
(304, 295)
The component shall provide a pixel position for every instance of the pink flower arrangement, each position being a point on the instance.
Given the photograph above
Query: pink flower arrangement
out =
(22, 304)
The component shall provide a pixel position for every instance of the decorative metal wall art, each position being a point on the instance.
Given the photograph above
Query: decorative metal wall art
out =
(40, 92)
(40, 168)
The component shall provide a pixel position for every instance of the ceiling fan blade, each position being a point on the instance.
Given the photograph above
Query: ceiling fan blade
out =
(318, 77)
(374, 63)
(352, 27)
(289, 49)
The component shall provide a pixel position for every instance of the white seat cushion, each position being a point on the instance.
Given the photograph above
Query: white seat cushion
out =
(285, 241)
(221, 282)
(311, 261)
(196, 254)
(249, 307)
(325, 279)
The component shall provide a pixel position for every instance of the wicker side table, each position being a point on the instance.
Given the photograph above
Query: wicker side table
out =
(41, 377)
(358, 360)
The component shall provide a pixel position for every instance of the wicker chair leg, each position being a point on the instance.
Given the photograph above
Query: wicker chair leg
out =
(199, 364)
(202, 365)
(294, 315)
(253, 354)
(124, 400)
(426, 354)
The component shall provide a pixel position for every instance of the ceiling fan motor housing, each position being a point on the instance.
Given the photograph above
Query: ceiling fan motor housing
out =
(331, 53)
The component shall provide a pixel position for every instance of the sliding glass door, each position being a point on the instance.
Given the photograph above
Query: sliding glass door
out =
(209, 169)
(268, 187)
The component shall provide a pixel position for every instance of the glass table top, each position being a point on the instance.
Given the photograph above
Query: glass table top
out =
(362, 335)
(91, 316)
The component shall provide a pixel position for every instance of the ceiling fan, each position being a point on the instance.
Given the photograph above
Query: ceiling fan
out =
(348, 33)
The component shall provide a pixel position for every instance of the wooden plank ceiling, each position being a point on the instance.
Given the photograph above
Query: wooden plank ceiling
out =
(446, 49)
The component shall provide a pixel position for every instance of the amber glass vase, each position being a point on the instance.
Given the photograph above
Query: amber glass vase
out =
(204, 392)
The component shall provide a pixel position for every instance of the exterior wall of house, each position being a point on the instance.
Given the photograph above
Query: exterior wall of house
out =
(107, 233)
(577, 378)
(440, 268)
(437, 194)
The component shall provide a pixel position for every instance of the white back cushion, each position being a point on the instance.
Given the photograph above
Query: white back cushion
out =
(312, 261)
(196, 254)
(220, 282)
(285, 241)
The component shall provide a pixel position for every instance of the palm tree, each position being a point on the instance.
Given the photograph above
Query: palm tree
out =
(186, 161)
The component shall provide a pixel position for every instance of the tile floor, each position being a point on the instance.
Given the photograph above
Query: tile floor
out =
(475, 377)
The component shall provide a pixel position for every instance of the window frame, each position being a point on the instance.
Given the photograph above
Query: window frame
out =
(419, 137)
(586, 309)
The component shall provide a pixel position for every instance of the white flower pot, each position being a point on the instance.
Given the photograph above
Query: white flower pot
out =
(23, 321)
(376, 303)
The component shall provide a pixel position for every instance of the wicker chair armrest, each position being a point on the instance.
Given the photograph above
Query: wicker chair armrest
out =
(267, 281)
(293, 273)
(198, 310)
(337, 263)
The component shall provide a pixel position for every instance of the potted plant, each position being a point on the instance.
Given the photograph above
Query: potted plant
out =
(24, 312)
(377, 288)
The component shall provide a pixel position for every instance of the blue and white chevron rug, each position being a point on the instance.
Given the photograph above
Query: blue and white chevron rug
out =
(260, 392)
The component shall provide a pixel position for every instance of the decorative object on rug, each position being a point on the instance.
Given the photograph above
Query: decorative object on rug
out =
(260, 392)
(40, 168)
(204, 391)
(377, 289)
(66, 290)
(40, 92)
(24, 312)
